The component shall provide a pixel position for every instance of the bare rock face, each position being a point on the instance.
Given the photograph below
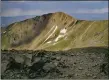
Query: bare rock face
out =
(86, 63)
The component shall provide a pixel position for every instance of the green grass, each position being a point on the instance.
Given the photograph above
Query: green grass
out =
(5, 42)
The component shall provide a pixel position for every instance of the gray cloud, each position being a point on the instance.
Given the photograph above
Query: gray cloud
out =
(92, 11)
(20, 12)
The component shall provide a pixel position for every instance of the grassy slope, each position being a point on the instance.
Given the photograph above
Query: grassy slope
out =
(96, 35)
(18, 33)
(80, 34)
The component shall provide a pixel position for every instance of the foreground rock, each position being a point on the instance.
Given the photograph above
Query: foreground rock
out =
(87, 63)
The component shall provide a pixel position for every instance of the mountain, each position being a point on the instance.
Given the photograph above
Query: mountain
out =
(55, 46)
(55, 31)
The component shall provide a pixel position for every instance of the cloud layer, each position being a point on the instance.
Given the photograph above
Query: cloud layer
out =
(21, 12)
(22, 8)
(12, 11)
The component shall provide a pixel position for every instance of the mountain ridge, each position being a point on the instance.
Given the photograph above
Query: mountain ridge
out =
(55, 31)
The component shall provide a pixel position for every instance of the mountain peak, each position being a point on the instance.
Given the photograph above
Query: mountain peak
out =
(59, 15)
(54, 31)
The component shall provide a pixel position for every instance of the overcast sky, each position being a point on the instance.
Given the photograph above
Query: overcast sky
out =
(12, 11)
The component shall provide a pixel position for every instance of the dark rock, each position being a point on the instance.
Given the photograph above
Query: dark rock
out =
(24, 64)
(48, 66)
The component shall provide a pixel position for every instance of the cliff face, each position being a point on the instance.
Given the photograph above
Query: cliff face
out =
(55, 31)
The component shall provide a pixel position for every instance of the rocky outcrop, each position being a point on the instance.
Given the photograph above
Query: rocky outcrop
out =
(84, 63)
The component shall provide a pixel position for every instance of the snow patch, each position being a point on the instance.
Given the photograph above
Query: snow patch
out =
(63, 31)
(62, 34)
(49, 41)
(59, 37)
(52, 32)
(4, 32)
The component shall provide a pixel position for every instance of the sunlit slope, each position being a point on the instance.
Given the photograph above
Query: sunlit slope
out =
(55, 31)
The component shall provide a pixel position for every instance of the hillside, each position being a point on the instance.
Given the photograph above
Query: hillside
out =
(55, 31)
